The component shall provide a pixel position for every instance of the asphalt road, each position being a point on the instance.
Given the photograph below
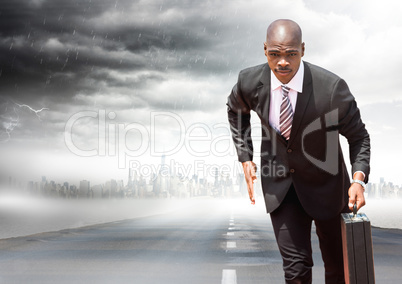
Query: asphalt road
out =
(204, 242)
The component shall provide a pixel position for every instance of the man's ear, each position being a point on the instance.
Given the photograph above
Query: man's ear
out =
(265, 49)
(302, 54)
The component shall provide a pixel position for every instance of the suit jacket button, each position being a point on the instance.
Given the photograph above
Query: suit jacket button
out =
(292, 171)
(289, 150)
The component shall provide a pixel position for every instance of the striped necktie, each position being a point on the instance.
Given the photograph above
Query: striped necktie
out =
(286, 114)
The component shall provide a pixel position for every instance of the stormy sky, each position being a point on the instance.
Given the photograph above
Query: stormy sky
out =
(89, 87)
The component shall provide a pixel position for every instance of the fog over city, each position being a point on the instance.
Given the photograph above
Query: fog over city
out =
(87, 88)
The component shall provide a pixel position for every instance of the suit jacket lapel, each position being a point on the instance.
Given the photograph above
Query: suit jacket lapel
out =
(302, 102)
(264, 90)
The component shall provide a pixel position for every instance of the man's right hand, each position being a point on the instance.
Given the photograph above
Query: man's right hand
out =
(250, 169)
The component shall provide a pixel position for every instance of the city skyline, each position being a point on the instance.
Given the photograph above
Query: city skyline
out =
(382, 188)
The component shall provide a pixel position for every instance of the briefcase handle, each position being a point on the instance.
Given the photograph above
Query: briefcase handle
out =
(354, 210)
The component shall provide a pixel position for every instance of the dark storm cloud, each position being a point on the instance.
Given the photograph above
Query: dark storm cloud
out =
(56, 49)
(69, 56)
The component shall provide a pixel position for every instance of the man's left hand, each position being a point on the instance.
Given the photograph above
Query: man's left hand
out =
(356, 193)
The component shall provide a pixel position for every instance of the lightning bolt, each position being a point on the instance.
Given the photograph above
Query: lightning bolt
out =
(11, 122)
(33, 110)
(9, 126)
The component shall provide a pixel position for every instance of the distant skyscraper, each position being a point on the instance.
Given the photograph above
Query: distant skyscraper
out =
(195, 178)
(84, 189)
(163, 158)
(30, 187)
(216, 183)
(162, 168)
(130, 178)
(114, 187)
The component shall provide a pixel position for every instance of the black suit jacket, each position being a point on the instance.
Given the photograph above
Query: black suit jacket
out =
(312, 159)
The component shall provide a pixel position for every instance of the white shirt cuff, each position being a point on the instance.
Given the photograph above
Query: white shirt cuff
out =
(364, 175)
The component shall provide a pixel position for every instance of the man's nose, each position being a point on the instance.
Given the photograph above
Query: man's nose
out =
(283, 63)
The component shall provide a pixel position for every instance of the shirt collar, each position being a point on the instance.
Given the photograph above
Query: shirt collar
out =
(295, 84)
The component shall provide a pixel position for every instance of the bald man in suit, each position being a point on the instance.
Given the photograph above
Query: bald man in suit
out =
(303, 173)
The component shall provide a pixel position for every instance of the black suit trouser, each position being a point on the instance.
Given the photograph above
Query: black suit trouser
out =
(292, 227)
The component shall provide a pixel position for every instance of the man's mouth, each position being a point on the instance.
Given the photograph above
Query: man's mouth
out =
(283, 71)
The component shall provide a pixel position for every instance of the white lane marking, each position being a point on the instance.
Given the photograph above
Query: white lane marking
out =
(231, 224)
(229, 276)
(230, 244)
(230, 234)
(231, 228)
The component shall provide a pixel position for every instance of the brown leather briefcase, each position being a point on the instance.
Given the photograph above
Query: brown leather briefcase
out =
(357, 248)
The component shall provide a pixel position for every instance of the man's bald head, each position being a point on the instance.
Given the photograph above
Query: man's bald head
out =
(284, 49)
(284, 29)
